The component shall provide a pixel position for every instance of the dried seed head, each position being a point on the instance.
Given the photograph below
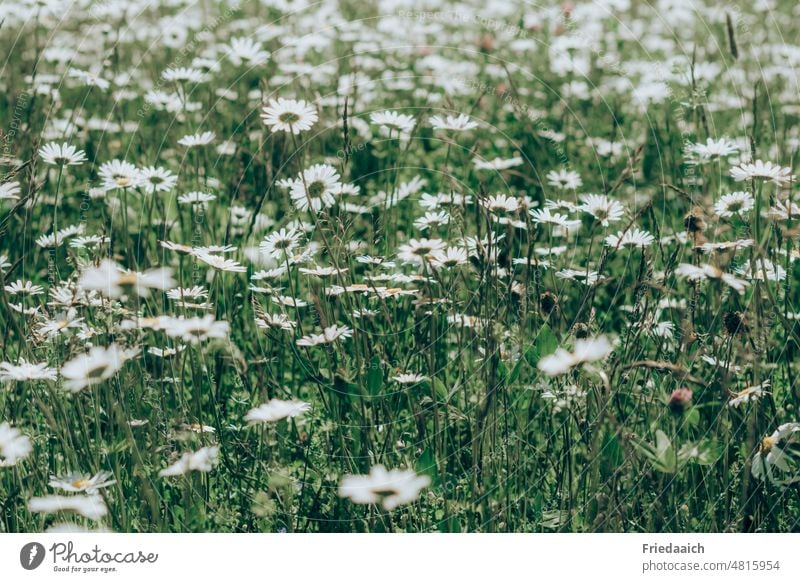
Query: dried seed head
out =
(548, 302)
(694, 222)
(734, 322)
(581, 330)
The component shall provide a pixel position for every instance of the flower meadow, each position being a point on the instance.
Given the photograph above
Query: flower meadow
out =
(394, 266)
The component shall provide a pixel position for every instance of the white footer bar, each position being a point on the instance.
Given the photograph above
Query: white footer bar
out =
(404, 557)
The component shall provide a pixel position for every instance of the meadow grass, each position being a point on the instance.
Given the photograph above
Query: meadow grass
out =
(348, 309)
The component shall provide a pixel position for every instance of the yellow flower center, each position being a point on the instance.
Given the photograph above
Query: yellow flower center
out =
(80, 483)
(767, 443)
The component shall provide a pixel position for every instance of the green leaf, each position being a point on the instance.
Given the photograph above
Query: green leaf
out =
(449, 525)
(661, 455)
(611, 453)
(692, 417)
(502, 370)
(375, 376)
(665, 453)
(531, 356)
(705, 452)
(426, 465)
(512, 377)
(442, 393)
(545, 344)
(546, 341)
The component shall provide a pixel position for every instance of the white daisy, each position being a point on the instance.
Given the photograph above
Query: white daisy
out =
(89, 506)
(315, 188)
(202, 461)
(113, 281)
(288, 115)
(276, 410)
(764, 171)
(634, 237)
(393, 121)
(14, 446)
(78, 483)
(94, 367)
(197, 139)
(738, 203)
(461, 122)
(604, 209)
(713, 148)
(390, 489)
(586, 351)
(62, 155)
(26, 371)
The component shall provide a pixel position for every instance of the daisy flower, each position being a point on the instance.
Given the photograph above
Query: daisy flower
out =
(247, 51)
(197, 139)
(20, 287)
(14, 446)
(545, 216)
(763, 171)
(196, 198)
(85, 242)
(784, 210)
(586, 351)
(693, 273)
(738, 203)
(89, 506)
(713, 148)
(634, 237)
(409, 378)
(9, 190)
(287, 301)
(775, 452)
(62, 155)
(430, 219)
(281, 243)
(420, 252)
(184, 74)
(709, 247)
(26, 371)
(119, 174)
(500, 203)
(450, 257)
(288, 115)
(393, 121)
(316, 187)
(461, 122)
(78, 483)
(202, 461)
(497, 163)
(278, 321)
(60, 323)
(197, 329)
(220, 263)
(276, 410)
(113, 281)
(180, 293)
(157, 179)
(390, 489)
(604, 209)
(748, 394)
(329, 335)
(765, 270)
(564, 179)
(97, 365)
